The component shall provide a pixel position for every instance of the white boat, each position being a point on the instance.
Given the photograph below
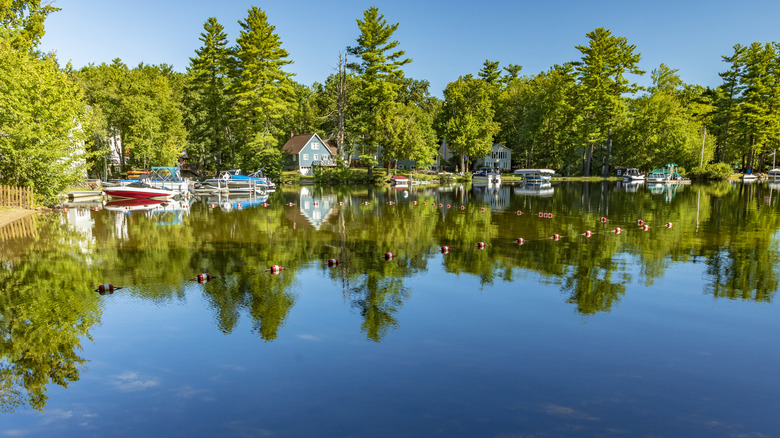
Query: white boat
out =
(633, 174)
(232, 181)
(535, 175)
(138, 191)
(749, 177)
(773, 175)
(485, 177)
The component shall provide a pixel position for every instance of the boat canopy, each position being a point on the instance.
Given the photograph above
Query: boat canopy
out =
(534, 171)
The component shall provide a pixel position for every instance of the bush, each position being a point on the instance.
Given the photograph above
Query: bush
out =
(711, 172)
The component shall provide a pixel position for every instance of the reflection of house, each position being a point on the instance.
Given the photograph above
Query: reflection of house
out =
(496, 197)
(314, 209)
(306, 151)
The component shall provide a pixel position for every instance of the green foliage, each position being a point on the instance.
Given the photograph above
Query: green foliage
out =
(340, 174)
(42, 114)
(262, 89)
(21, 22)
(467, 117)
(406, 132)
(711, 172)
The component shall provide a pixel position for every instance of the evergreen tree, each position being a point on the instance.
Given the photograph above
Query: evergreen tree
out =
(601, 73)
(210, 104)
(263, 90)
(378, 69)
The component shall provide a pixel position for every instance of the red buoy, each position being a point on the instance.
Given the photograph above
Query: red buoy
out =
(556, 237)
(290, 204)
(481, 245)
(389, 256)
(588, 233)
(275, 269)
(212, 205)
(106, 288)
(462, 207)
(519, 212)
(341, 202)
(445, 249)
(550, 215)
(448, 205)
(265, 204)
(482, 209)
(618, 230)
(668, 225)
(333, 262)
(204, 278)
(541, 214)
(415, 202)
(640, 222)
(520, 241)
(425, 203)
(645, 227)
(603, 220)
(239, 205)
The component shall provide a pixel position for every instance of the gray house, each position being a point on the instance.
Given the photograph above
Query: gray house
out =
(306, 151)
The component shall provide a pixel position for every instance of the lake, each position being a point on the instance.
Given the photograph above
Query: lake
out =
(626, 311)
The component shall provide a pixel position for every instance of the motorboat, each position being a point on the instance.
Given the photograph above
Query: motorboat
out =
(161, 177)
(399, 181)
(633, 174)
(485, 176)
(232, 181)
(664, 175)
(138, 190)
(748, 177)
(535, 175)
(774, 175)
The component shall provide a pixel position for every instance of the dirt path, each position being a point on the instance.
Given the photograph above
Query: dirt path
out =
(8, 215)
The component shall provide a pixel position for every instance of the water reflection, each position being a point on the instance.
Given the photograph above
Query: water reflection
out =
(47, 282)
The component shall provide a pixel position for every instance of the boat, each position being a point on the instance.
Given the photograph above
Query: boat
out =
(633, 174)
(232, 181)
(485, 176)
(749, 176)
(773, 175)
(399, 181)
(535, 175)
(664, 175)
(161, 177)
(138, 190)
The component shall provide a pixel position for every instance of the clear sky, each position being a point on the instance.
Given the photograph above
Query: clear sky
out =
(445, 39)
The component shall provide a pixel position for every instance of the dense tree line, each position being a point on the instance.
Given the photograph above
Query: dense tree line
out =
(237, 104)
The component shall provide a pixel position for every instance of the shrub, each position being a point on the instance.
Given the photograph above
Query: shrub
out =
(711, 172)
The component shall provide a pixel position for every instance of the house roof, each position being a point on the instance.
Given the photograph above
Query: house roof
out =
(296, 143)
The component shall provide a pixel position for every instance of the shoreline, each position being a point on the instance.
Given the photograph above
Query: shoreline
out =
(11, 215)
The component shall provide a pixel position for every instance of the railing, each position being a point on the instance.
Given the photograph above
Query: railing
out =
(325, 163)
(21, 197)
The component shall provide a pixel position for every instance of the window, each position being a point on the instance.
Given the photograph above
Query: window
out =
(315, 146)
(306, 157)
(316, 157)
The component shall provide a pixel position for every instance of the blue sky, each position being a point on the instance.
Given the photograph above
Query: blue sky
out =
(445, 39)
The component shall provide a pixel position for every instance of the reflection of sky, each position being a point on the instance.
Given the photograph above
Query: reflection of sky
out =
(505, 359)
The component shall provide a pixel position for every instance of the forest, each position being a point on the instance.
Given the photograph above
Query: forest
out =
(236, 105)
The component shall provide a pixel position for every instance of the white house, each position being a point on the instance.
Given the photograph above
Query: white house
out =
(500, 157)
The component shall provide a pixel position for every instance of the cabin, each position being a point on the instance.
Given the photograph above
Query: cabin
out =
(307, 151)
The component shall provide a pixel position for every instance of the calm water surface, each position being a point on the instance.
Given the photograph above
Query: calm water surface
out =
(663, 332)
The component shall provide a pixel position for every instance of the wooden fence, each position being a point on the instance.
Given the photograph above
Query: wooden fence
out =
(25, 227)
(21, 197)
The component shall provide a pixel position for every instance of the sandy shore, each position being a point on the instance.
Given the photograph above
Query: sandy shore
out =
(8, 215)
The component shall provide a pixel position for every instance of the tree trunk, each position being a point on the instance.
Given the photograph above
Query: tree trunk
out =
(605, 169)
(588, 156)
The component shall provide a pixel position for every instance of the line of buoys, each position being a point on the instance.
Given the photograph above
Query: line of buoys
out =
(389, 256)
(333, 262)
(445, 249)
